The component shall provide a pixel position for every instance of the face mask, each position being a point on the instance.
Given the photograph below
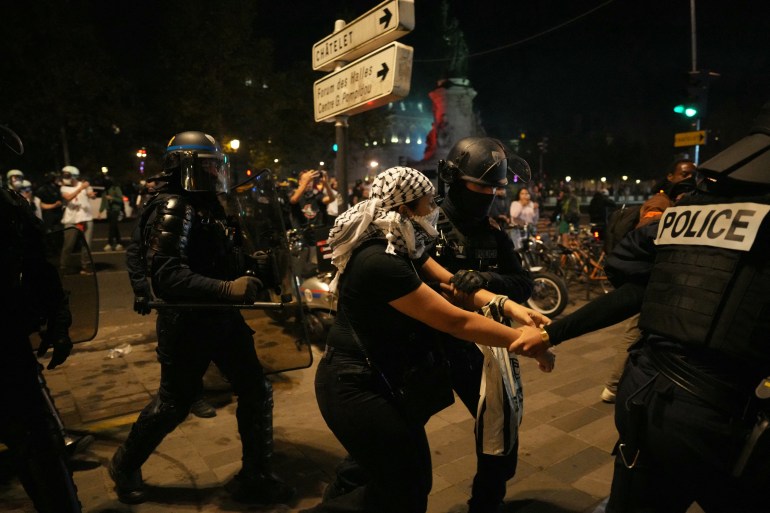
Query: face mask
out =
(473, 204)
(66, 181)
(427, 222)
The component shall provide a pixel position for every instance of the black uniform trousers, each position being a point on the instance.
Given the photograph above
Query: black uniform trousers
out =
(391, 450)
(687, 452)
(492, 472)
(29, 430)
(188, 341)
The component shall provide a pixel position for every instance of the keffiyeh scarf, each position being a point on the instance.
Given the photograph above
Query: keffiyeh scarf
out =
(376, 218)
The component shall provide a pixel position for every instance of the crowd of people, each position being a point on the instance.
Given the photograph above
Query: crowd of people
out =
(427, 292)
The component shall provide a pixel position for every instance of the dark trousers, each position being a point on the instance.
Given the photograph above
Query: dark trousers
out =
(392, 451)
(687, 452)
(187, 343)
(29, 430)
(113, 234)
(492, 472)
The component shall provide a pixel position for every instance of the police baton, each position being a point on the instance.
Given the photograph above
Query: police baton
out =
(161, 305)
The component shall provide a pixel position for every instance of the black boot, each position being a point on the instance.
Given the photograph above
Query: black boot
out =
(128, 483)
(259, 488)
(256, 483)
(203, 409)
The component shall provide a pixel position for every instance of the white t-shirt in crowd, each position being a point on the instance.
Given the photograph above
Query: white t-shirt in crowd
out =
(524, 214)
(78, 209)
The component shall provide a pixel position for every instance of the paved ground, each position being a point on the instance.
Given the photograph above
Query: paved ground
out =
(566, 438)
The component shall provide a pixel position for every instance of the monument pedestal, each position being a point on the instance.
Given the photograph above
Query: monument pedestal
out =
(453, 119)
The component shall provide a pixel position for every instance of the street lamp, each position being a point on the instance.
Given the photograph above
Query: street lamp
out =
(235, 144)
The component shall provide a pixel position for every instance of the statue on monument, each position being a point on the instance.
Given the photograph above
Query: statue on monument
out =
(453, 116)
(455, 41)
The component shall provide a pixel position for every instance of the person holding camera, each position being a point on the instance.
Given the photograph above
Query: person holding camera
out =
(308, 201)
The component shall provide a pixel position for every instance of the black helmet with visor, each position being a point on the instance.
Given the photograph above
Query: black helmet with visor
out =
(202, 165)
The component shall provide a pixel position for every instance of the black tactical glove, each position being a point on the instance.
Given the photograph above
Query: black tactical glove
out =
(264, 265)
(242, 290)
(142, 305)
(470, 281)
(62, 347)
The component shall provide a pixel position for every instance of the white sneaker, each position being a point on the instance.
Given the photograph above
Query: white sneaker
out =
(608, 396)
(119, 247)
(107, 248)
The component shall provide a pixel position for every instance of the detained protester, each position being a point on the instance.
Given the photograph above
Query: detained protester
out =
(382, 374)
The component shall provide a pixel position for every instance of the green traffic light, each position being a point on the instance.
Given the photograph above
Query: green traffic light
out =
(688, 110)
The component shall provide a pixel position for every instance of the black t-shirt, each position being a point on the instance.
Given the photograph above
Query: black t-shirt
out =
(371, 279)
(309, 210)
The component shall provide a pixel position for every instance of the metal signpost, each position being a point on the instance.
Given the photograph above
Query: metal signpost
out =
(382, 73)
(690, 138)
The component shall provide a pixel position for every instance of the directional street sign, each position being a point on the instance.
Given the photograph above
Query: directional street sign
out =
(369, 82)
(689, 138)
(385, 23)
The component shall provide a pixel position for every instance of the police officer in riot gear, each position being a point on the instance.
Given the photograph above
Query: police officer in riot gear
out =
(181, 252)
(34, 298)
(480, 254)
(692, 408)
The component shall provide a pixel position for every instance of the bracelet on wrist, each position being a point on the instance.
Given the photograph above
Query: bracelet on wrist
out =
(545, 337)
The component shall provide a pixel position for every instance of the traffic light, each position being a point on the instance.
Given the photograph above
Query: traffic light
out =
(335, 147)
(697, 94)
(687, 110)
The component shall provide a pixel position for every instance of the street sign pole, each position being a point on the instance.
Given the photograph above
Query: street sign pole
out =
(341, 138)
(381, 72)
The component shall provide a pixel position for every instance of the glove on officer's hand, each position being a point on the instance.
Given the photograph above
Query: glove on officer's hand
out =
(241, 290)
(142, 305)
(263, 264)
(470, 281)
(62, 347)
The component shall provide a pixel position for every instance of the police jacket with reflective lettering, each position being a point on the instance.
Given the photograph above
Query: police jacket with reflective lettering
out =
(710, 285)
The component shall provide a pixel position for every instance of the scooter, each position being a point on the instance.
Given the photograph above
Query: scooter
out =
(312, 259)
(549, 292)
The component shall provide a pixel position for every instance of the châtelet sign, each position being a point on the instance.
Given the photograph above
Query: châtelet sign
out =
(377, 27)
(374, 80)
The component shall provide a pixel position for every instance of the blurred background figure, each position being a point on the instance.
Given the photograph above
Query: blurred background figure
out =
(501, 205)
(112, 202)
(523, 209)
(14, 177)
(76, 195)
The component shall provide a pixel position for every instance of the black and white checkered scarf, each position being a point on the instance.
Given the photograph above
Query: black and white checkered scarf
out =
(377, 218)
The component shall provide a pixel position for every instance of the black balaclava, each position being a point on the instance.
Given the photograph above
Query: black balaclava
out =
(464, 205)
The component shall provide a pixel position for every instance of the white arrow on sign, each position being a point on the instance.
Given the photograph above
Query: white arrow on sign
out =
(371, 81)
(385, 23)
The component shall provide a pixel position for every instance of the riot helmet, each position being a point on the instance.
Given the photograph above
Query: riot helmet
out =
(196, 159)
(14, 177)
(744, 167)
(484, 161)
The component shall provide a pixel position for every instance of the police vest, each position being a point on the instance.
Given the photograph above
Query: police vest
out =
(454, 250)
(710, 285)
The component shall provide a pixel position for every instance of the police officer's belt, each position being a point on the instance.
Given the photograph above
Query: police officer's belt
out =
(719, 394)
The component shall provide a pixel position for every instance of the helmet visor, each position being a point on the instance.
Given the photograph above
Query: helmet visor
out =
(204, 171)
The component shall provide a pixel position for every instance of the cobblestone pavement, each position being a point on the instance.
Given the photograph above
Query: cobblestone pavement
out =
(565, 440)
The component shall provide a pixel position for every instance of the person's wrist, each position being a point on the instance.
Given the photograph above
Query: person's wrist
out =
(545, 337)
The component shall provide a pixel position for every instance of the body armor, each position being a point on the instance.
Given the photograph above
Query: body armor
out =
(709, 285)
(455, 251)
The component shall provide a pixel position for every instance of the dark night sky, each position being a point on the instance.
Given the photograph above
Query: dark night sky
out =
(622, 67)
(619, 69)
